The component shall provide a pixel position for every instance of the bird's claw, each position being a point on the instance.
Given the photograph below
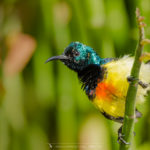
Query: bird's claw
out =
(142, 84)
(120, 137)
(131, 79)
(121, 140)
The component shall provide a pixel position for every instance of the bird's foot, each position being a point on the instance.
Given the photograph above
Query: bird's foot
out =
(132, 79)
(142, 84)
(120, 137)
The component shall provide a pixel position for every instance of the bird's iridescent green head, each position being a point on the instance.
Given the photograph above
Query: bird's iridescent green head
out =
(78, 56)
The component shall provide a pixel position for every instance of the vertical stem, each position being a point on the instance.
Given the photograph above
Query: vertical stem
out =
(129, 116)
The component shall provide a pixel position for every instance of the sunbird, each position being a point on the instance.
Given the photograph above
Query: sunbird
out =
(105, 80)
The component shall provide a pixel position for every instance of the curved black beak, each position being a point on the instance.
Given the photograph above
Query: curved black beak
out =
(60, 57)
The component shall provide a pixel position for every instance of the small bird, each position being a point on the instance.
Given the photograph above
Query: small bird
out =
(105, 80)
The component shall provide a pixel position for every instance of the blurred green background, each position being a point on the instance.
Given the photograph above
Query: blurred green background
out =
(42, 106)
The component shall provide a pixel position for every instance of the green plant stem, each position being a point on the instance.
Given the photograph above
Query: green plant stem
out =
(128, 124)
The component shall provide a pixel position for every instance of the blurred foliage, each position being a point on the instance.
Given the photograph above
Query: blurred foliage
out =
(42, 105)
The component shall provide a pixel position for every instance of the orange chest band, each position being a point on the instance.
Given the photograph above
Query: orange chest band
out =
(104, 91)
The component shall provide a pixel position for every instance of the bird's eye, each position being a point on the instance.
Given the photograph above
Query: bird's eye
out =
(76, 53)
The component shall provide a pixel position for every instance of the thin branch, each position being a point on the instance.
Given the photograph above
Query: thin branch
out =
(128, 124)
